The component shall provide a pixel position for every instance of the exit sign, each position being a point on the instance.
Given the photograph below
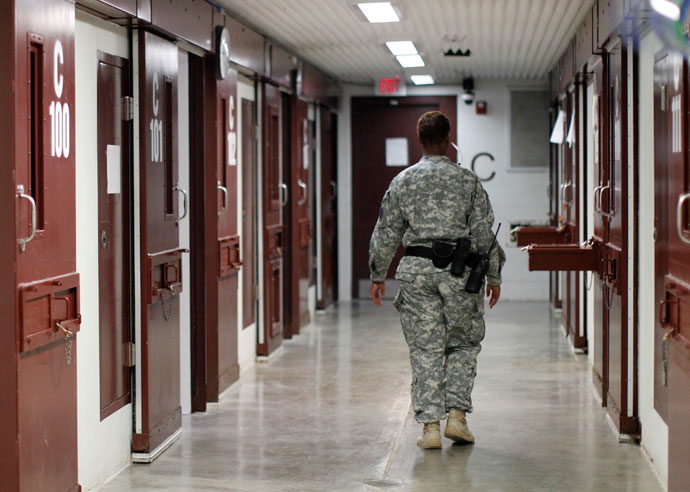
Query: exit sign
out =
(391, 86)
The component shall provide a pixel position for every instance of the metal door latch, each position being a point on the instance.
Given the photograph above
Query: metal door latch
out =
(127, 108)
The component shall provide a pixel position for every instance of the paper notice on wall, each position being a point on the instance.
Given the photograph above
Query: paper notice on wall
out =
(397, 152)
(113, 172)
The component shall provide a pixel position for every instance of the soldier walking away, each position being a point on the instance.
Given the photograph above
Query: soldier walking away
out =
(444, 218)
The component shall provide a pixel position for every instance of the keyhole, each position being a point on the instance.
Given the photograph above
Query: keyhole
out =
(104, 239)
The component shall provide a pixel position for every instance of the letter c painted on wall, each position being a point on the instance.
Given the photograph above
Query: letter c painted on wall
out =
(58, 59)
(474, 160)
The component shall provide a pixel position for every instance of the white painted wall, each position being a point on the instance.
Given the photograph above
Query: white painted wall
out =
(589, 128)
(516, 195)
(654, 429)
(246, 337)
(183, 181)
(104, 447)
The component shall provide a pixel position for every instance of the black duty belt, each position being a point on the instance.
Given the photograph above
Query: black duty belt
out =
(426, 252)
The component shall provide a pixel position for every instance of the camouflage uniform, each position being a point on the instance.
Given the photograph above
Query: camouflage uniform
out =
(442, 323)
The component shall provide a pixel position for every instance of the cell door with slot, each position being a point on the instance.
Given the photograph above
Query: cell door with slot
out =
(570, 216)
(274, 198)
(249, 194)
(672, 249)
(161, 265)
(326, 286)
(113, 233)
(47, 285)
(600, 151)
(298, 218)
(622, 384)
(221, 342)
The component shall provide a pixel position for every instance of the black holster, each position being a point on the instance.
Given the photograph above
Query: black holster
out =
(441, 253)
(460, 254)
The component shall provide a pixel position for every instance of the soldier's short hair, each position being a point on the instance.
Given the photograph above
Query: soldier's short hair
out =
(433, 127)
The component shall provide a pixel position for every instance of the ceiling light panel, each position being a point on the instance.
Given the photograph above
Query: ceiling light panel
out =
(379, 12)
(410, 61)
(399, 48)
(422, 79)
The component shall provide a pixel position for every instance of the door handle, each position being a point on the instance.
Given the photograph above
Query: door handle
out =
(284, 194)
(679, 217)
(664, 320)
(225, 198)
(612, 211)
(23, 240)
(184, 203)
(302, 185)
(597, 199)
(334, 190)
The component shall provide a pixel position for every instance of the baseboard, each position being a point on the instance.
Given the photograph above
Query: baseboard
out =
(149, 457)
(268, 358)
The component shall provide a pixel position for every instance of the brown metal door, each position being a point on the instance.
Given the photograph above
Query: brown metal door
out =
(672, 250)
(249, 193)
(221, 342)
(161, 262)
(570, 217)
(113, 234)
(47, 285)
(554, 207)
(298, 218)
(374, 119)
(328, 229)
(621, 403)
(600, 146)
(274, 197)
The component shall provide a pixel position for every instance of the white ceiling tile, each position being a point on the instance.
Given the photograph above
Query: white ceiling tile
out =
(508, 38)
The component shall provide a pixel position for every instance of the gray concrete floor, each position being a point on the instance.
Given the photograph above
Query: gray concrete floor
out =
(332, 413)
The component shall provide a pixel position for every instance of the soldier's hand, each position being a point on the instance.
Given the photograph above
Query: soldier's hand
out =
(494, 292)
(378, 290)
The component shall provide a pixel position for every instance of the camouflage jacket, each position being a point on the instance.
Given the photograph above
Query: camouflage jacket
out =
(433, 199)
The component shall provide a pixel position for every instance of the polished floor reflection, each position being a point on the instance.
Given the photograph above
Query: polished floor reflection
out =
(332, 413)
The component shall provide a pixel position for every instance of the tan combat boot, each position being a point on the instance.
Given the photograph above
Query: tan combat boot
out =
(456, 428)
(431, 436)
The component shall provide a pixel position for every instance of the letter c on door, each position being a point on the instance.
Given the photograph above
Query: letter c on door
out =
(474, 160)
(155, 93)
(57, 78)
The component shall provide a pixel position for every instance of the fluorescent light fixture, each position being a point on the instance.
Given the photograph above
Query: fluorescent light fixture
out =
(410, 61)
(399, 48)
(422, 79)
(666, 8)
(379, 12)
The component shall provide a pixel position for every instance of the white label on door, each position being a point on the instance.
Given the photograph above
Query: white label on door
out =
(397, 152)
(113, 173)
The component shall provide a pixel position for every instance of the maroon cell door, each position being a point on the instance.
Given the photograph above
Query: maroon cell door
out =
(554, 193)
(249, 194)
(161, 256)
(113, 234)
(374, 121)
(672, 250)
(39, 363)
(298, 218)
(221, 341)
(571, 215)
(329, 211)
(622, 373)
(274, 198)
(600, 148)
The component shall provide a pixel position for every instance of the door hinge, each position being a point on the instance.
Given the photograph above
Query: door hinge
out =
(127, 108)
(130, 354)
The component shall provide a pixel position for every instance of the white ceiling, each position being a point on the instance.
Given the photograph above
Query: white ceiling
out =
(508, 38)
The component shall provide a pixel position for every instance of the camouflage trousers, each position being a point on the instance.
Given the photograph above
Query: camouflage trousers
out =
(443, 326)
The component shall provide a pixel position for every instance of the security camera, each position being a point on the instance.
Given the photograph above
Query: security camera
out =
(468, 87)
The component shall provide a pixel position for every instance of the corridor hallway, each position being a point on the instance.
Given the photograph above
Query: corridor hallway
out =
(332, 413)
